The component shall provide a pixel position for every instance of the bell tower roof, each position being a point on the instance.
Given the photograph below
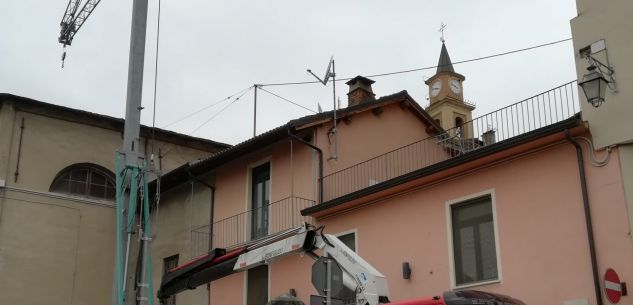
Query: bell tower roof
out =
(444, 64)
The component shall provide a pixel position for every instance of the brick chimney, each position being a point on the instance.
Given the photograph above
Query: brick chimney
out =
(359, 91)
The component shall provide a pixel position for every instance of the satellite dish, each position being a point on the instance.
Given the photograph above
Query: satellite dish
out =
(327, 72)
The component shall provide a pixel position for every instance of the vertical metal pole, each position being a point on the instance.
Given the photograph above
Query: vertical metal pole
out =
(255, 111)
(334, 131)
(130, 139)
(135, 83)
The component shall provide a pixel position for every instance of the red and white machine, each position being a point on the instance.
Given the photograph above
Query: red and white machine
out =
(338, 271)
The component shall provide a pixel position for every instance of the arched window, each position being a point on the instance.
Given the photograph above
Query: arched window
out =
(458, 122)
(85, 179)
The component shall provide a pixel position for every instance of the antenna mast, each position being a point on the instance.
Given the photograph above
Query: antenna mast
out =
(330, 72)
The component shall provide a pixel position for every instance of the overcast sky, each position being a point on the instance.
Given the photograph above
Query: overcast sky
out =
(212, 49)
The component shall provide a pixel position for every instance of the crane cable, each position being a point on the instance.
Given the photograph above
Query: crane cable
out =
(152, 164)
(155, 81)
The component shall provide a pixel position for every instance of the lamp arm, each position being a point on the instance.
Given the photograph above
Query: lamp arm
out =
(593, 60)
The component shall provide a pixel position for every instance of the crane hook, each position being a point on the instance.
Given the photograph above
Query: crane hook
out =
(63, 56)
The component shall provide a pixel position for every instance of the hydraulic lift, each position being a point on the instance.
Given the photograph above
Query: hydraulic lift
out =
(338, 274)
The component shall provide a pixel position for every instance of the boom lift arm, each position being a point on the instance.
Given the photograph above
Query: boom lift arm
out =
(369, 285)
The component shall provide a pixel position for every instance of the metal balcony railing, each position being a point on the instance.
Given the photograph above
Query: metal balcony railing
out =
(527, 115)
(250, 225)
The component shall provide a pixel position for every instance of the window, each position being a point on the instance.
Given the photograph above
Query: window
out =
(349, 239)
(257, 285)
(458, 126)
(168, 264)
(88, 180)
(474, 247)
(260, 191)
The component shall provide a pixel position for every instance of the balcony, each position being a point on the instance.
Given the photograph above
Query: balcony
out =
(536, 112)
(251, 225)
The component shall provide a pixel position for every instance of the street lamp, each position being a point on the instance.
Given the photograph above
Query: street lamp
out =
(594, 85)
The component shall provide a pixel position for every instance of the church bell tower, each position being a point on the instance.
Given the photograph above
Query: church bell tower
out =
(446, 95)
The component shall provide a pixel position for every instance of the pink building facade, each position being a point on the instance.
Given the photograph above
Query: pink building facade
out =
(501, 211)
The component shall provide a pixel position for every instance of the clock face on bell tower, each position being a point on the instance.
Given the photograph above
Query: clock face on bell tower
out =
(446, 96)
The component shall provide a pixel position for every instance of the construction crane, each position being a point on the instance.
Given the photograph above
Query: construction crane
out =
(131, 170)
(73, 20)
(339, 275)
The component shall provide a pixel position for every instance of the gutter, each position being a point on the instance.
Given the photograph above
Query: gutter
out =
(585, 202)
(320, 152)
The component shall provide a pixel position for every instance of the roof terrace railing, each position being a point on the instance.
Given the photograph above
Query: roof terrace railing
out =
(525, 116)
(250, 225)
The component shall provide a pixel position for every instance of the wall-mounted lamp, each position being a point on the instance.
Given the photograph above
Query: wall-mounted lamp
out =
(594, 84)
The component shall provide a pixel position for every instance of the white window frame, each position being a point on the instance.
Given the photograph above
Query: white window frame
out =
(449, 226)
(355, 231)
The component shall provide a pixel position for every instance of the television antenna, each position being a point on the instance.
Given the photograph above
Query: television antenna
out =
(330, 72)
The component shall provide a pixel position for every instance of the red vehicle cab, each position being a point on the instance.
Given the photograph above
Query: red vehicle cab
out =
(464, 297)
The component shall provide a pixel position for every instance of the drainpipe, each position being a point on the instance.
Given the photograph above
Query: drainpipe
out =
(320, 152)
(212, 188)
(212, 208)
(585, 201)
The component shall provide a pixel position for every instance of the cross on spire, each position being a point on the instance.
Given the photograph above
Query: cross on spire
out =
(441, 30)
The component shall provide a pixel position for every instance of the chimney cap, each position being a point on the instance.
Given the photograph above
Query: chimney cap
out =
(363, 80)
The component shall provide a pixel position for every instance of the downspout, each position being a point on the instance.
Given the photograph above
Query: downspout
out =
(17, 164)
(320, 152)
(585, 201)
(211, 209)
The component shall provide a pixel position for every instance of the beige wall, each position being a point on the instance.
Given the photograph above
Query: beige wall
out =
(180, 210)
(54, 248)
(610, 123)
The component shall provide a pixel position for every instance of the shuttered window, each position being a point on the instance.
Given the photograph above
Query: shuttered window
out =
(474, 248)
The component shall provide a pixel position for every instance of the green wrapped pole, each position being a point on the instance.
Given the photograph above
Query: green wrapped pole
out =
(119, 296)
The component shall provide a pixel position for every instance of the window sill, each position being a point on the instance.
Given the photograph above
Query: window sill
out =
(475, 284)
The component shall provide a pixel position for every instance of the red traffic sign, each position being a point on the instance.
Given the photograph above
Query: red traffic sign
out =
(612, 286)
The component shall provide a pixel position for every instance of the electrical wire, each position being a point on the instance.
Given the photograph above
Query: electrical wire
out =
(207, 107)
(287, 100)
(425, 68)
(592, 152)
(218, 113)
(211, 118)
